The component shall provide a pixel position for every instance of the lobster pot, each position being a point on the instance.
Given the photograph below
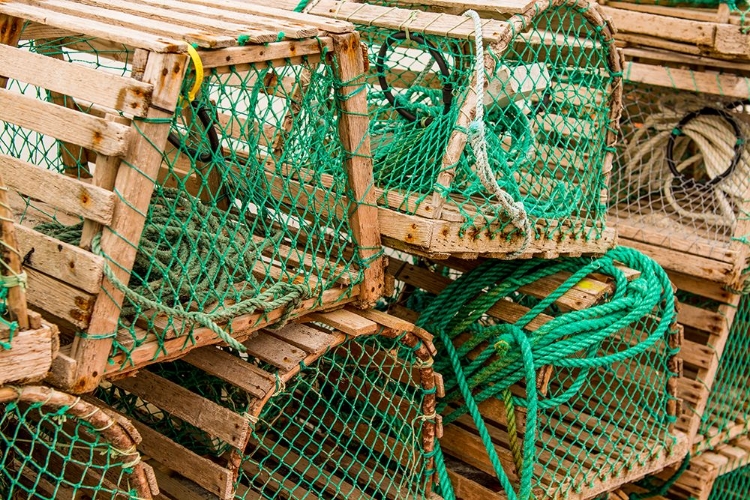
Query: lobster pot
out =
(565, 368)
(323, 414)
(680, 185)
(190, 195)
(517, 167)
(55, 445)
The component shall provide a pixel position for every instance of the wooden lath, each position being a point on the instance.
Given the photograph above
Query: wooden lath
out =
(169, 26)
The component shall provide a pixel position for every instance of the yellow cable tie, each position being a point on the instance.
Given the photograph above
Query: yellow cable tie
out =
(198, 64)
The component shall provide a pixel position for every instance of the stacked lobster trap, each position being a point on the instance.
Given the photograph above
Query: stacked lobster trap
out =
(489, 136)
(203, 178)
(560, 377)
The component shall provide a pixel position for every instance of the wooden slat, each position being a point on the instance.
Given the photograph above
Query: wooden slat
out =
(68, 194)
(232, 369)
(67, 263)
(77, 24)
(494, 6)
(208, 416)
(274, 351)
(230, 56)
(29, 357)
(304, 337)
(77, 81)
(211, 17)
(202, 38)
(61, 123)
(59, 299)
(707, 82)
(347, 321)
(393, 18)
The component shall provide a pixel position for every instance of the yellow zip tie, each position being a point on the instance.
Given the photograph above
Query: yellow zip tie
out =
(196, 58)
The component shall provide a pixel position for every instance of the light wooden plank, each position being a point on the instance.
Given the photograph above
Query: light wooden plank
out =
(679, 30)
(233, 56)
(275, 11)
(59, 299)
(77, 81)
(348, 322)
(208, 416)
(77, 24)
(274, 351)
(706, 82)
(66, 193)
(232, 369)
(304, 337)
(61, 123)
(67, 263)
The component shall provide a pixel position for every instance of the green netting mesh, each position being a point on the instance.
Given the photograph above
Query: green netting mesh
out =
(682, 168)
(732, 486)
(348, 425)
(53, 445)
(250, 210)
(538, 143)
(543, 401)
(728, 406)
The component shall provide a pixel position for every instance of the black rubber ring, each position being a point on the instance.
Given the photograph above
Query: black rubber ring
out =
(738, 146)
(436, 55)
(213, 137)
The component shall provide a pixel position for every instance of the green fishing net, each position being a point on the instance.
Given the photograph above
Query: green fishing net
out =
(544, 398)
(54, 446)
(349, 425)
(728, 407)
(732, 486)
(546, 108)
(250, 210)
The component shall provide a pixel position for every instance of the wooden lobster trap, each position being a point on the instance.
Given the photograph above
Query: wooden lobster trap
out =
(182, 174)
(336, 404)
(500, 148)
(680, 191)
(573, 428)
(57, 446)
(691, 28)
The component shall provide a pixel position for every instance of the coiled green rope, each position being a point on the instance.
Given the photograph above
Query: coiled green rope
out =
(512, 355)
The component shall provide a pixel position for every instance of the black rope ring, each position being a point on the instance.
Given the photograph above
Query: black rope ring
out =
(436, 55)
(213, 137)
(677, 131)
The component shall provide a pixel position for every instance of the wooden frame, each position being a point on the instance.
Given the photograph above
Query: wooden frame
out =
(437, 228)
(720, 258)
(698, 31)
(185, 475)
(125, 123)
(117, 431)
(461, 441)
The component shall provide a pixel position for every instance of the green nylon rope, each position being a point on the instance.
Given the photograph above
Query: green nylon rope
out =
(197, 241)
(555, 344)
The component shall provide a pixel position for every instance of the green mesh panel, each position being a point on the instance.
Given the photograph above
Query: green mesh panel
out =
(546, 117)
(610, 369)
(703, 202)
(250, 211)
(728, 404)
(349, 425)
(732, 486)
(49, 452)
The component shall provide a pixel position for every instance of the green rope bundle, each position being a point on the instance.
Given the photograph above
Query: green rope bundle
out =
(569, 342)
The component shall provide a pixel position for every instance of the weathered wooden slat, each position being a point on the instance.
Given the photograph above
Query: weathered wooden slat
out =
(232, 369)
(75, 80)
(188, 406)
(304, 337)
(29, 357)
(274, 351)
(67, 263)
(346, 321)
(59, 299)
(66, 193)
(93, 133)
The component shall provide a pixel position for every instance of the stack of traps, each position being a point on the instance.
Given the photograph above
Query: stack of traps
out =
(519, 166)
